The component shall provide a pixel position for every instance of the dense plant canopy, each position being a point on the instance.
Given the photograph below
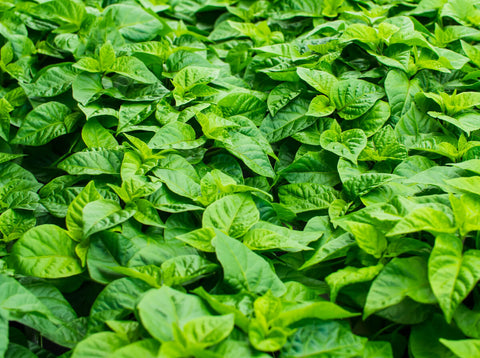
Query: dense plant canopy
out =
(215, 178)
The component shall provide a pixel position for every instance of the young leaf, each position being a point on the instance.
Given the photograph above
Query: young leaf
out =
(452, 274)
(46, 251)
(245, 270)
(395, 282)
(233, 214)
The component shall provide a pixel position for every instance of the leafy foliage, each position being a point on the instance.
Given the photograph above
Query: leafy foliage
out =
(239, 178)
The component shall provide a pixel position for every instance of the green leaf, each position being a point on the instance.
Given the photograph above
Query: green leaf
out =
(452, 274)
(400, 278)
(313, 167)
(69, 14)
(51, 81)
(266, 236)
(400, 92)
(372, 121)
(243, 104)
(320, 107)
(179, 176)
(354, 98)
(134, 23)
(324, 338)
(348, 144)
(103, 214)
(320, 80)
(281, 95)
(131, 114)
(368, 237)
(199, 239)
(3, 332)
(87, 87)
(162, 308)
(252, 148)
(94, 135)
(245, 270)
(350, 275)
(307, 310)
(175, 135)
(99, 345)
(93, 162)
(133, 68)
(116, 301)
(287, 121)
(468, 321)
(204, 332)
(74, 218)
(42, 124)
(306, 196)
(424, 340)
(46, 251)
(233, 214)
(13, 223)
(464, 348)
(424, 219)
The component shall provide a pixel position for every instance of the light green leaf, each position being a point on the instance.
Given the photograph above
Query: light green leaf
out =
(324, 339)
(134, 23)
(42, 124)
(320, 107)
(51, 81)
(400, 278)
(46, 251)
(451, 274)
(245, 270)
(424, 219)
(103, 214)
(162, 308)
(74, 218)
(94, 135)
(313, 167)
(175, 135)
(93, 162)
(99, 345)
(190, 76)
(179, 175)
(350, 275)
(266, 236)
(145, 348)
(306, 196)
(199, 239)
(353, 98)
(368, 237)
(323, 310)
(320, 80)
(133, 68)
(400, 92)
(87, 87)
(348, 144)
(287, 121)
(204, 332)
(243, 104)
(69, 14)
(464, 348)
(233, 214)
